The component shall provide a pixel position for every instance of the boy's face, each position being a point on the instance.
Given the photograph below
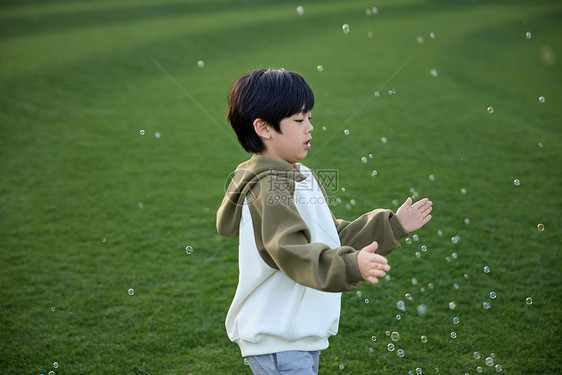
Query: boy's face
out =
(293, 142)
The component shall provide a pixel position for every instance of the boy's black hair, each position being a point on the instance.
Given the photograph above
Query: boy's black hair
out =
(270, 95)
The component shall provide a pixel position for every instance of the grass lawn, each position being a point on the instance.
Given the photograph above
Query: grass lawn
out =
(114, 154)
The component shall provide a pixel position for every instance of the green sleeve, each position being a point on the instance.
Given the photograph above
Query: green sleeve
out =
(379, 225)
(283, 240)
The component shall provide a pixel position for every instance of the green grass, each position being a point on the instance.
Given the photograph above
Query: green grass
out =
(90, 208)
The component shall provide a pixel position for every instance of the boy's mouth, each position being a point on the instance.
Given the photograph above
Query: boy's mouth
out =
(307, 144)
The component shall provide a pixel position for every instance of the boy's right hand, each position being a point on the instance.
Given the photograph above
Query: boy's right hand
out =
(372, 265)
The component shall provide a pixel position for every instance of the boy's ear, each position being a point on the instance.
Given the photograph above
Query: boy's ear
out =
(262, 128)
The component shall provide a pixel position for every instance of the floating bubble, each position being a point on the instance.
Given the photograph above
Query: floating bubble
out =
(141, 205)
(52, 308)
(466, 275)
(541, 99)
(246, 362)
(423, 339)
(363, 159)
(348, 206)
(486, 305)
(416, 237)
(400, 353)
(408, 240)
(493, 355)
(431, 177)
(141, 132)
(424, 248)
(486, 269)
(341, 366)
(422, 309)
(455, 239)
(516, 182)
(409, 297)
(418, 371)
(324, 128)
(395, 336)
(320, 68)
(414, 281)
(454, 255)
(463, 190)
(452, 305)
(343, 189)
(455, 286)
(432, 35)
(448, 259)
(479, 369)
(366, 300)
(436, 369)
(433, 73)
(400, 305)
(352, 202)
(528, 35)
(419, 39)
(369, 35)
(439, 232)
(359, 293)
(387, 277)
(387, 333)
(131, 291)
(377, 94)
(540, 144)
(422, 289)
(498, 368)
(493, 295)
(418, 254)
(395, 202)
(188, 250)
(489, 361)
(346, 132)
(375, 10)
(476, 355)
(371, 350)
(345, 28)
(55, 365)
(370, 156)
(430, 285)
(467, 221)
(453, 335)
(540, 227)
(398, 316)
(456, 320)
(390, 347)
(373, 338)
(201, 63)
(300, 10)
(374, 173)
(490, 109)
(529, 301)
(51, 373)
(384, 140)
(157, 135)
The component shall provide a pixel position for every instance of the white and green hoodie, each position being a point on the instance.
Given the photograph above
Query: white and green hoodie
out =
(294, 256)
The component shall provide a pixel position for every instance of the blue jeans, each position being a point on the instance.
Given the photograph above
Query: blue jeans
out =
(285, 363)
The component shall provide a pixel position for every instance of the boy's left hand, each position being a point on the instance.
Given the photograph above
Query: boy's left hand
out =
(414, 216)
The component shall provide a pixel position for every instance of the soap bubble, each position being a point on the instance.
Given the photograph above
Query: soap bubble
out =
(490, 109)
(540, 227)
(55, 365)
(320, 68)
(377, 94)
(363, 159)
(479, 369)
(400, 353)
(529, 301)
(387, 277)
(431, 177)
(423, 339)
(433, 73)
(352, 202)
(489, 361)
(418, 371)
(424, 248)
(414, 281)
(540, 144)
(395, 336)
(359, 293)
(493, 295)
(366, 300)
(430, 285)
(455, 286)
(188, 250)
(346, 132)
(499, 368)
(452, 305)
(418, 254)
(408, 240)
(370, 156)
(141, 132)
(51, 373)
(486, 269)
(476, 355)
(409, 297)
(373, 338)
(432, 35)
(455, 239)
(454, 255)
(131, 291)
(387, 333)
(516, 182)
(300, 10)
(456, 320)
(419, 39)
(390, 347)
(467, 221)
(341, 366)
(463, 190)
(422, 309)
(369, 35)
(324, 128)
(448, 259)
(493, 355)
(486, 305)
(375, 10)
(398, 316)
(343, 189)
(528, 35)
(345, 28)
(541, 99)
(201, 63)
(439, 232)
(384, 140)
(453, 335)
(400, 305)
(374, 173)
(416, 237)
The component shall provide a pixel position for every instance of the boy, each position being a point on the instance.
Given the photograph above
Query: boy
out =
(294, 257)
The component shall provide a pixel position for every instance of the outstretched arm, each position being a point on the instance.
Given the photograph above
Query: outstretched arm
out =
(414, 216)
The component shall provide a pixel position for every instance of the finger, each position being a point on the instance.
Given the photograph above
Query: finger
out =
(373, 280)
(420, 203)
(408, 202)
(427, 210)
(379, 259)
(426, 219)
(378, 273)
